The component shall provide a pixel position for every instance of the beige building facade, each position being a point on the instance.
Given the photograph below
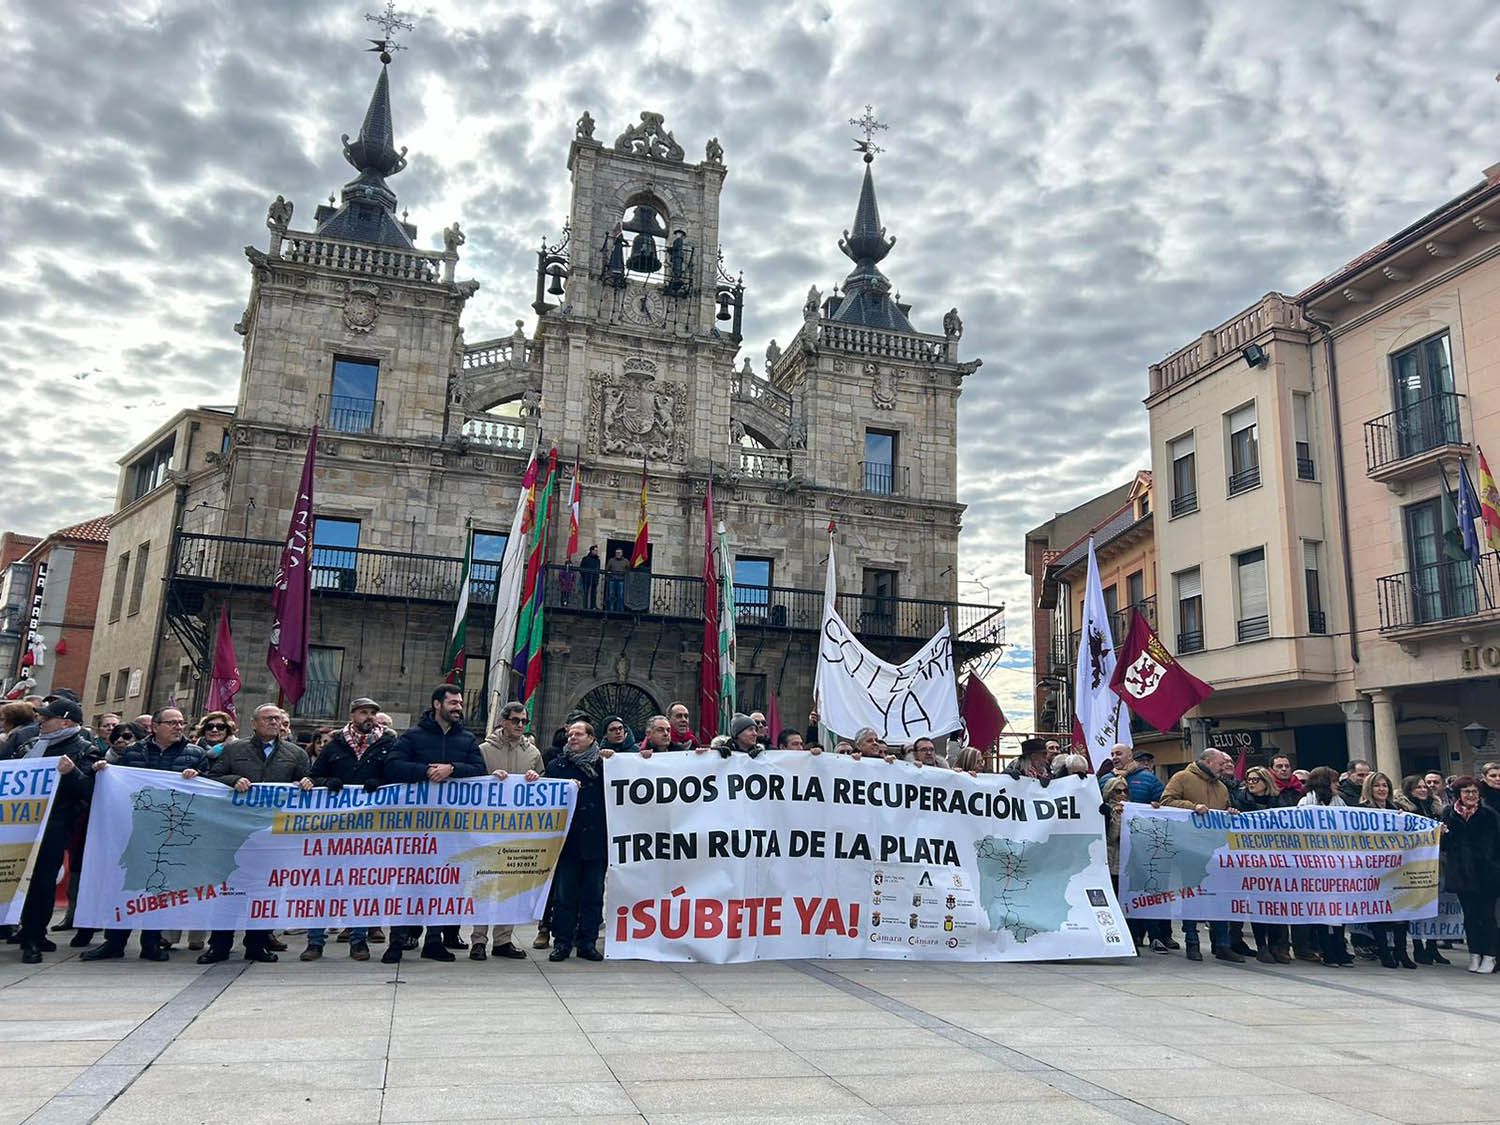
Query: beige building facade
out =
(1308, 453)
(631, 362)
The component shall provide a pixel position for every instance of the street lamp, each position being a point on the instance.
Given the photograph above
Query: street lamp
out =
(1478, 735)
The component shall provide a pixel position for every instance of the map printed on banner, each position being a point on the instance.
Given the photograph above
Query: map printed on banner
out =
(793, 855)
(1301, 865)
(27, 786)
(168, 853)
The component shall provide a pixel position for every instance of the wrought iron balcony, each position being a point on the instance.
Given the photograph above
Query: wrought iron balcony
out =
(1252, 629)
(1317, 622)
(1305, 469)
(218, 561)
(1191, 641)
(1451, 590)
(1425, 426)
(350, 414)
(881, 478)
(1244, 480)
(1184, 504)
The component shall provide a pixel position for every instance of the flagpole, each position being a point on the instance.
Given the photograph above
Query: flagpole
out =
(1471, 502)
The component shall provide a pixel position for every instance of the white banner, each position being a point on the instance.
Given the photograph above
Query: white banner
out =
(917, 698)
(1301, 866)
(792, 855)
(27, 786)
(164, 853)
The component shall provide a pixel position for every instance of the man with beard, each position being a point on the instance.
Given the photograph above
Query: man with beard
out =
(436, 749)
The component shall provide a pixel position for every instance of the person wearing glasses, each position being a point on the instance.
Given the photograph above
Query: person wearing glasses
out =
(214, 729)
(129, 746)
(507, 749)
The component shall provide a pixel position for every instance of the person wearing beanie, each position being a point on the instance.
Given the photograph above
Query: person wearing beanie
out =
(743, 737)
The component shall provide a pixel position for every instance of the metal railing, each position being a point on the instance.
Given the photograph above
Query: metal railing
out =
(1317, 622)
(1305, 469)
(222, 560)
(1252, 629)
(350, 414)
(1429, 423)
(1190, 642)
(1444, 591)
(1244, 480)
(1182, 505)
(320, 700)
(1119, 626)
(881, 478)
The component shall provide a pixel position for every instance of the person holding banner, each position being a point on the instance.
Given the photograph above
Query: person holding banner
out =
(1322, 789)
(1201, 788)
(60, 736)
(1273, 940)
(436, 749)
(1390, 937)
(263, 757)
(1471, 864)
(578, 881)
(508, 749)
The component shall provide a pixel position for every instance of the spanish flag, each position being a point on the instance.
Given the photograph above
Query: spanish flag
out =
(1489, 503)
(641, 552)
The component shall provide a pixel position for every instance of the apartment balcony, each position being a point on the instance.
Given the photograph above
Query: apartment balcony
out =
(1244, 480)
(218, 562)
(1119, 627)
(1439, 598)
(1409, 441)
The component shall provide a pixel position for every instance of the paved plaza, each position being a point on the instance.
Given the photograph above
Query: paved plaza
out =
(1153, 1040)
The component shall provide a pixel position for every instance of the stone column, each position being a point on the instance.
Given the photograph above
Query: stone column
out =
(1387, 750)
(1359, 730)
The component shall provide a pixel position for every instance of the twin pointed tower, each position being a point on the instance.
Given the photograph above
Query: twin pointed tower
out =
(631, 362)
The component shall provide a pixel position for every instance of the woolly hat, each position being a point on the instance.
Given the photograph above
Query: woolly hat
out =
(740, 724)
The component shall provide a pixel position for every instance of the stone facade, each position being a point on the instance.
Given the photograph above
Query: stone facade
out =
(631, 367)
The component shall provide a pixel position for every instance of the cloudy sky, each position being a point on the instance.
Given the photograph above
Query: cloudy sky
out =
(1092, 185)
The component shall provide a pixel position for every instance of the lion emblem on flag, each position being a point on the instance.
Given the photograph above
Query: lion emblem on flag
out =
(1144, 675)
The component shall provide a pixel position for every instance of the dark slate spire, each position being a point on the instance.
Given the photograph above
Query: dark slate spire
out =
(367, 211)
(867, 292)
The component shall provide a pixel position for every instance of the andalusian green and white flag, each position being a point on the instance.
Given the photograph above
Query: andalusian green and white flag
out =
(458, 640)
(727, 701)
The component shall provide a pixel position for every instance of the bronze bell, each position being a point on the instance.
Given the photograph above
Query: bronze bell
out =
(643, 256)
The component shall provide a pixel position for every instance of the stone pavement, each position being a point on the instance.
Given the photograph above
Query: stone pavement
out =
(1153, 1040)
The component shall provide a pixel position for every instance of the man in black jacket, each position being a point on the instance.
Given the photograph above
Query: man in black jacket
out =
(356, 755)
(60, 736)
(436, 749)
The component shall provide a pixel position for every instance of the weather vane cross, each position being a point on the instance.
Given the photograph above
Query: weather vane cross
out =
(390, 21)
(869, 126)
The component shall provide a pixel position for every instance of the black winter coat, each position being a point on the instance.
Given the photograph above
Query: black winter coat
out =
(181, 755)
(337, 761)
(427, 744)
(1471, 851)
(75, 787)
(587, 839)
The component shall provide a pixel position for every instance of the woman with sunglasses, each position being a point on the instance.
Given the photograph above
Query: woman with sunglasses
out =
(214, 729)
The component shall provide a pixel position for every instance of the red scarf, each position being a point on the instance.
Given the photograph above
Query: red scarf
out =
(1464, 810)
(358, 742)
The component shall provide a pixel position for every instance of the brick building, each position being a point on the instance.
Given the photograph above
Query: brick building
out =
(50, 592)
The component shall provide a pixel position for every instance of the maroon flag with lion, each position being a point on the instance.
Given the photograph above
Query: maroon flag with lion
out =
(1151, 682)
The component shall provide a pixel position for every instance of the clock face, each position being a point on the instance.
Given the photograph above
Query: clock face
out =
(643, 305)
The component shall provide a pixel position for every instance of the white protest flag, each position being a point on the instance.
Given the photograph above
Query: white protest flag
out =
(917, 698)
(1101, 714)
(508, 594)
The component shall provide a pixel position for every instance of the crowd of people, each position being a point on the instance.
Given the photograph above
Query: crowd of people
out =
(368, 752)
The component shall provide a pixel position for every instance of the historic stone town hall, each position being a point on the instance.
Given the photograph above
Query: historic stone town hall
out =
(424, 436)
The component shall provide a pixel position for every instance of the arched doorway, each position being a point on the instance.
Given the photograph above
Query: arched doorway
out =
(631, 703)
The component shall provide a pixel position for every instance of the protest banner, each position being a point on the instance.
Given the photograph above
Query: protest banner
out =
(1446, 925)
(27, 786)
(1302, 865)
(165, 853)
(917, 698)
(791, 855)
